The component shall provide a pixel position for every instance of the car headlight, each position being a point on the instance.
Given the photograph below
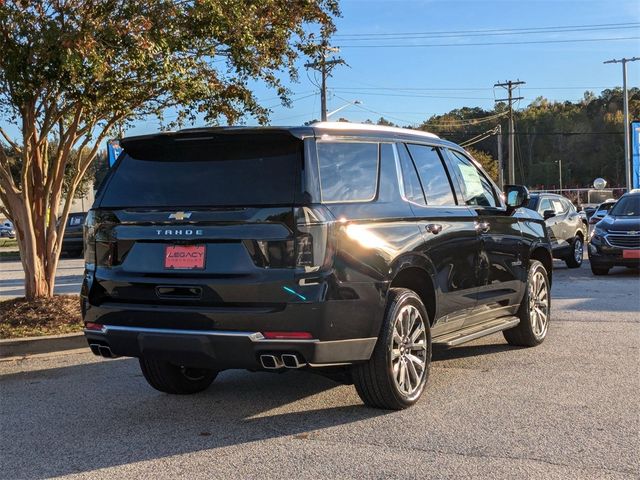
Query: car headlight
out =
(598, 232)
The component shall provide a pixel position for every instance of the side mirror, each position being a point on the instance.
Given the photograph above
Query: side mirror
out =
(516, 196)
(547, 214)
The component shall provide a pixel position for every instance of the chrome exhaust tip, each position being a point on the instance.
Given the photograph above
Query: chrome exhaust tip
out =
(106, 351)
(291, 360)
(270, 362)
(95, 349)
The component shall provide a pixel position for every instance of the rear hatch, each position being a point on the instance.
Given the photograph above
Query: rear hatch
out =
(207, 220)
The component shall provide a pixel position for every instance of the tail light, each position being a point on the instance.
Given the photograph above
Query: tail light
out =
(99, 243)
(315, 238)
(89, 239)
(287, 335)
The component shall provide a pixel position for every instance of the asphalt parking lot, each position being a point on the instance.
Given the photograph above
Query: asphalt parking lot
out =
(566, 409)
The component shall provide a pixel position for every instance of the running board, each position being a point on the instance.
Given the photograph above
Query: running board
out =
(476, 331)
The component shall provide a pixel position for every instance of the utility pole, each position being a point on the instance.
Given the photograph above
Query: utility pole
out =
(510, 86)
(500, 161)
(324, 66)
(627, 139)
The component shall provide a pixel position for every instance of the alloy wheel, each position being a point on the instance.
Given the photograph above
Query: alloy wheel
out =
(409, 350)
(539, 304)
(578, 250)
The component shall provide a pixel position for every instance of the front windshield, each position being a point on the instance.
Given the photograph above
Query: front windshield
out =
(627, 207)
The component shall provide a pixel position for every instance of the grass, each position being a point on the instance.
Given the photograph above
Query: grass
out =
(7, 242)
(45, 316)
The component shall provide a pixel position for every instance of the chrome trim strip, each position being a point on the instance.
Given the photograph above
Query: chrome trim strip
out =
(253, 336)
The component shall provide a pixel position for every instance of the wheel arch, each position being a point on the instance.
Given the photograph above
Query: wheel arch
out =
(416, 273)
(544, 256)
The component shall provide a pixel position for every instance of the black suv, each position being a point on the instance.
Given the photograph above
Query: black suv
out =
(566, 228)
(615, 240)
(342, 248)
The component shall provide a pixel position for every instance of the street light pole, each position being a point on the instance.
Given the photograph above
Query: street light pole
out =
(627, 156)
(559, 162)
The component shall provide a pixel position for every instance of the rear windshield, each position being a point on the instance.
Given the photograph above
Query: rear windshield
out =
(237, 171)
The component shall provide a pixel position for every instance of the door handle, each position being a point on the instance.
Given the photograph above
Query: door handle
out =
(483, 226)
(434, 228)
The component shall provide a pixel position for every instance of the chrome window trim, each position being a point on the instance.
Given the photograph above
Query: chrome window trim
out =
(399, 174)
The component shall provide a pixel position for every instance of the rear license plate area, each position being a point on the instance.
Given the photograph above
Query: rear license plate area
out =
(184, 257)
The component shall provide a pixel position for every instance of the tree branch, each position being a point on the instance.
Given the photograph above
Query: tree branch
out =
(13, 144)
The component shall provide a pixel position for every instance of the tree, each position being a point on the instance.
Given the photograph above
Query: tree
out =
(71, 71)
(489, 164)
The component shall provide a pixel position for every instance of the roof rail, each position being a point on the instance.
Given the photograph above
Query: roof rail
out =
(367, 127)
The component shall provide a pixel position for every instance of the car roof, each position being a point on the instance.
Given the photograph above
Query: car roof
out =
(539, 194)
(317, 130)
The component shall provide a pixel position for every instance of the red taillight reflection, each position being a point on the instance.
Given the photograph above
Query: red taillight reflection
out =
(287, 335)
(93, 326)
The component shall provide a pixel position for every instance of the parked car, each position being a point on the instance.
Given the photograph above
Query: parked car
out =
(344, 248)
(615, 240)
(567, 229)
(72, 243)
(600, 212)
(7, 232)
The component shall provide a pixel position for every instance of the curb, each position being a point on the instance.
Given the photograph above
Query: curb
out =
(18, 347)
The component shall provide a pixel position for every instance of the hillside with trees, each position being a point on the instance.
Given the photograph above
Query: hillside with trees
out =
(586, 135)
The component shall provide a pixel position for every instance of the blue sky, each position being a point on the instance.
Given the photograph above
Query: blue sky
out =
(549, 69)
(384, 79)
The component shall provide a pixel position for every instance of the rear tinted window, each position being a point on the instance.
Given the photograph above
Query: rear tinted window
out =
(242, 170)
(348, 171)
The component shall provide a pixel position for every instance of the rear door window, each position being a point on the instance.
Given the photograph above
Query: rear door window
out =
(432, 173)
(348, 171)
(241, 170)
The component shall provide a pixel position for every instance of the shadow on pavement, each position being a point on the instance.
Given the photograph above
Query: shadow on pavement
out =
(90, 416)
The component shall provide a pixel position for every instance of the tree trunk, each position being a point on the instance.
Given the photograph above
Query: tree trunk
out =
(39, 281)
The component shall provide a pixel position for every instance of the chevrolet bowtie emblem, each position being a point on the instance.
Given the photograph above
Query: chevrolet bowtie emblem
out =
(631, 233)
(180, 215)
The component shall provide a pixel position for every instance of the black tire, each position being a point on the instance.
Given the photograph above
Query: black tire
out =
(375, 380)
(574, 259)
(599, 270)
(170, 378)
(525, 334)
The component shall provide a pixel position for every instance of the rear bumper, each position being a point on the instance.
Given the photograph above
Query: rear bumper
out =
(224, 349)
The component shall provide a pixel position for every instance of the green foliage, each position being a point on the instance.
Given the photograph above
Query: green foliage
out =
(140, 57)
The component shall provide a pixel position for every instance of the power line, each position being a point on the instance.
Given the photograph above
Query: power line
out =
(452, 89)
(413, 36)
(530, 42)
(338, 35)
